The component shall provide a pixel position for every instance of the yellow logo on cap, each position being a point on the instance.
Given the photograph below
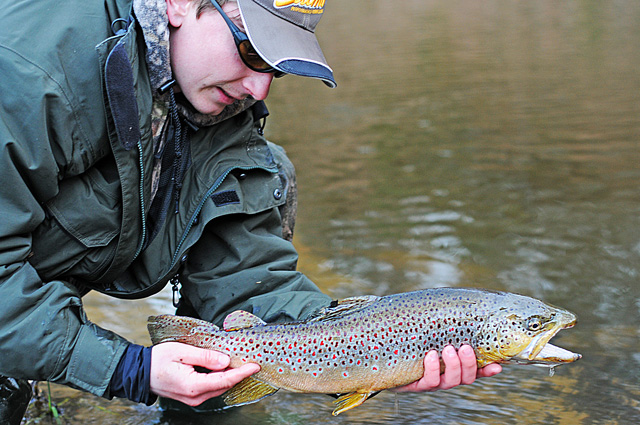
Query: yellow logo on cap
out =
(304, 5)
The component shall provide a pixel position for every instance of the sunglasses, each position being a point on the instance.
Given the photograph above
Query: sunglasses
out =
(248, 54)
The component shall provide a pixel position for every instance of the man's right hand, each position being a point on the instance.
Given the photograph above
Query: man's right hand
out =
(173, 374)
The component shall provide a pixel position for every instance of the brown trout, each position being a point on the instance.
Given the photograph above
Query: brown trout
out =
(359, 346)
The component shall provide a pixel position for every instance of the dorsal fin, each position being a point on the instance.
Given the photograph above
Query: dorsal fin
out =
(241, 320)
(341, 308)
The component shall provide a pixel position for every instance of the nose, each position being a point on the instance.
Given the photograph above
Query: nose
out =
(257, 84)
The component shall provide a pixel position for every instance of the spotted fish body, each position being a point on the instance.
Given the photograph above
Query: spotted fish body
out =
(361, 345)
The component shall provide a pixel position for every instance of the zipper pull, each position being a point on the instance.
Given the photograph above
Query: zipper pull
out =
(175, 287)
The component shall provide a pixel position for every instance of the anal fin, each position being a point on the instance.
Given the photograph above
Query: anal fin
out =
(247, 391)
(349, 401)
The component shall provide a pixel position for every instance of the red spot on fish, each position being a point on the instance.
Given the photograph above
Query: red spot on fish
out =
(280, 370)
(395, 352)
(374, 368)
(315, 374)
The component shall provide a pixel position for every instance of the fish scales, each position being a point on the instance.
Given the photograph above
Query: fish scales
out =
(362, 345)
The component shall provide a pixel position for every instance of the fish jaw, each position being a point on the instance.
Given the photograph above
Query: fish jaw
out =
(539, 351)
(553, 355)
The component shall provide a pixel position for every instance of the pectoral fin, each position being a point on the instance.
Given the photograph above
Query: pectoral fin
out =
(349, 401)
(247, 391)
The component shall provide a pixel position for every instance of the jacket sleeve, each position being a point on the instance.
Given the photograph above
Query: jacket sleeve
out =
(242, 262)
(44, 332)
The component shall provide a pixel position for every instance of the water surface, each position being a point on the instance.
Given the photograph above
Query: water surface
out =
(490, 144)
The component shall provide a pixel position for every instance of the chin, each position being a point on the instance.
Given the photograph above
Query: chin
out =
(211, 110)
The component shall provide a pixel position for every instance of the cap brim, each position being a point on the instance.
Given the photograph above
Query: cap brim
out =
(283, 45)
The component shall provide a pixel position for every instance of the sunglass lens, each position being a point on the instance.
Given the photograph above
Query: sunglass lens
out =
(252, 58)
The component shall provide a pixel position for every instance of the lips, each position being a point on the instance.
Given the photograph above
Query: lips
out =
(225, 97)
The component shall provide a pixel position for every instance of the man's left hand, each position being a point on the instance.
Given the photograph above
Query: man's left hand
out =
(461, 368)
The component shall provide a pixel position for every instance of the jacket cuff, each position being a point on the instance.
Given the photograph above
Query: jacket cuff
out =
(132, 377)
(94, 358)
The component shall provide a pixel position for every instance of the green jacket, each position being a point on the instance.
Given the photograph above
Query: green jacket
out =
(75, 163)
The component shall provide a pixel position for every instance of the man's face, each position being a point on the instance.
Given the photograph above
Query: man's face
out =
(205, 60)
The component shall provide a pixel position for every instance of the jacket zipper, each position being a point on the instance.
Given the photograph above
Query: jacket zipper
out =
(207, 195)
(152, 289)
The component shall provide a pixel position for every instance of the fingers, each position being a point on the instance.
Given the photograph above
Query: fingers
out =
(187, 354)
(431, 378)
(468, 365)
(460, 369)
(203, 386)
(173, 374)
(453, 371)
(489, 370)
(430, 381)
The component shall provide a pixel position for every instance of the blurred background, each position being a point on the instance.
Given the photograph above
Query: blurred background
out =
(469, 143)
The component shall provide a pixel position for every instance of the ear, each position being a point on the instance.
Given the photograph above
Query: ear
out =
(177, 10)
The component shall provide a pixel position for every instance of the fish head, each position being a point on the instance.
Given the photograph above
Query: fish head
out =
(519, 331)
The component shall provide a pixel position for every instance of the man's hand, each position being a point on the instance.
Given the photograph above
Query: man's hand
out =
(173, 374)
(460, 369)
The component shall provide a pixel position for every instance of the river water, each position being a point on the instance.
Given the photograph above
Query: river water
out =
(490, 144)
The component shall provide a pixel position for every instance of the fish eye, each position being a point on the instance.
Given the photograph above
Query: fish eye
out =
(534, 324)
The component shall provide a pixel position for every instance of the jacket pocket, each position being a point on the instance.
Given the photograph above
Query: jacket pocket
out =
(79, 235)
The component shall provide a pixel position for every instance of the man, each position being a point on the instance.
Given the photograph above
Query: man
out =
(132, 155)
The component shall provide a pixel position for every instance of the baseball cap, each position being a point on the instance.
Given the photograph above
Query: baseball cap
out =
(283, 34)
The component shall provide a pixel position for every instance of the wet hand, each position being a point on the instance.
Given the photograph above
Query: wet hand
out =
(173, 374)
(460, 369)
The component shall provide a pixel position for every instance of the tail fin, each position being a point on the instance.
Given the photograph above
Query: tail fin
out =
(167, 328)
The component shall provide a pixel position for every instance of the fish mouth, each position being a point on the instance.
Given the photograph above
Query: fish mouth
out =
(540, 352)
